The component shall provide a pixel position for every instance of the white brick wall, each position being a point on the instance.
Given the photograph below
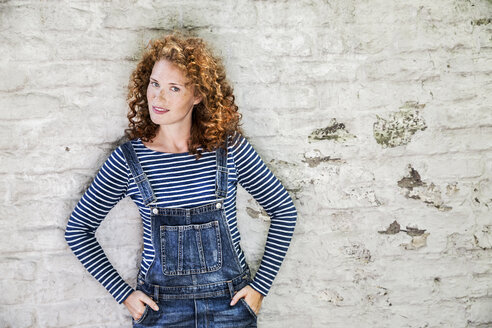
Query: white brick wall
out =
(336, 70)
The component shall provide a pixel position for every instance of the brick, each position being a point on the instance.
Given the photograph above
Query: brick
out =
(275, 96)
(18, 316)
(37, 16)
(480, 310)
(285, 14)
(38, 105)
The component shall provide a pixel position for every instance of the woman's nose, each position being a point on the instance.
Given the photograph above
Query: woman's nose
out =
(161, 95)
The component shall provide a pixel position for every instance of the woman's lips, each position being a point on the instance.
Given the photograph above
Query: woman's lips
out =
(159, 110)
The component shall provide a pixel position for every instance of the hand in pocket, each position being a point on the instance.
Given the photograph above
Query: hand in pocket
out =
(136, 304)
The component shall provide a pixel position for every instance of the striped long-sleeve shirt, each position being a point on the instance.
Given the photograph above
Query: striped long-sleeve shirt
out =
(178, 180)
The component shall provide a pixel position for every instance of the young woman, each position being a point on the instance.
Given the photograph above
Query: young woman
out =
(181, 165)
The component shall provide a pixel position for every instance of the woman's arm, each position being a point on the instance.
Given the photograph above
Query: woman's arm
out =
(108, 187)
(255, 177)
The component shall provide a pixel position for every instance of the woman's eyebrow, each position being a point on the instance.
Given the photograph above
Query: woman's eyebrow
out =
(168, 83)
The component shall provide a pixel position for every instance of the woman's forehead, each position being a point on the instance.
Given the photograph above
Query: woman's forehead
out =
(166, 70)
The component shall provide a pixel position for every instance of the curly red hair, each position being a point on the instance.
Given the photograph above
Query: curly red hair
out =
(215, 117)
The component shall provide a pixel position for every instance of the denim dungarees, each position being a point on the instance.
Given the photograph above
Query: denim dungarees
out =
(195, 265)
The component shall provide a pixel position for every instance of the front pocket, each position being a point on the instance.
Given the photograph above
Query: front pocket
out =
(249, 308)
(191, 249)
(144, 314)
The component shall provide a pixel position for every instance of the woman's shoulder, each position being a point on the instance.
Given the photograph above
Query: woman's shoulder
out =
(235, 139)
(239, 145)
(136, 143)
(120, 152)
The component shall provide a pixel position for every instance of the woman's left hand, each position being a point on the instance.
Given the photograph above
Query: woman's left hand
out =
(251, 296)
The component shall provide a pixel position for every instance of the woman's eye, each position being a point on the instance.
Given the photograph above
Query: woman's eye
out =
(153, 84)
(176, 89)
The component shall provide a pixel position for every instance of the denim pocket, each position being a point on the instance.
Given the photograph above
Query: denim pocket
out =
(191, 249)
(249, 308)
(144, 315)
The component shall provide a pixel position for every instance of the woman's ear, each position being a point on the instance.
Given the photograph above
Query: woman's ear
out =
(198, 99)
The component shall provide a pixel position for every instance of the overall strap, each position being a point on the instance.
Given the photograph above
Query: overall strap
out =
(222, 173)
(138, 174)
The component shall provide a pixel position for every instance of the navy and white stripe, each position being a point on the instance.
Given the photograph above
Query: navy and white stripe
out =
(178, 180)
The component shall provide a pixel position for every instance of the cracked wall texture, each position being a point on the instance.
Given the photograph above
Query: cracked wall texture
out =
(375, 115)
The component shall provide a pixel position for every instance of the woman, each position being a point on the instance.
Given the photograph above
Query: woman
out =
(185, 155)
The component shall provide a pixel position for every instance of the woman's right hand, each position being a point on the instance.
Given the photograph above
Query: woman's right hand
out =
(135, 303)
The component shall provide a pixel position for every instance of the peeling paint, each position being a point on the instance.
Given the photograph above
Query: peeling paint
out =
(334, 131)
(483, 237)
(252, 213)
(417, 242)
(330, 296)
(282, 162)
(394, 228)
(459, 243)
(381, 293)
(452, 188)
(411, 181)
(287, 169)
(481, 194)
(255, 214)
(419, 236)
(359, 252)
(315, 157)
(315, 161)
(412, 105)
(294, 191)
(414, 231)
(415, 188)
(399, 128)
(481, 21)
(363, 193)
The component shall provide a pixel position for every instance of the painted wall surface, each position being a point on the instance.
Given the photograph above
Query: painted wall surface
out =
(375, 115)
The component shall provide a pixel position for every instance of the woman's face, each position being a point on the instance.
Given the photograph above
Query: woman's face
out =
(170, 102)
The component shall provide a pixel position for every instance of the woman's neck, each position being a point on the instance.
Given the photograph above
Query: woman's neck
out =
(170, 140)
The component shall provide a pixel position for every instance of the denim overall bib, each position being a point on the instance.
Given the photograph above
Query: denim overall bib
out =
(194, 258)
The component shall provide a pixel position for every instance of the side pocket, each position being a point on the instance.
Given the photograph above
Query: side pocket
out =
(144, 315)
(249, 308)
